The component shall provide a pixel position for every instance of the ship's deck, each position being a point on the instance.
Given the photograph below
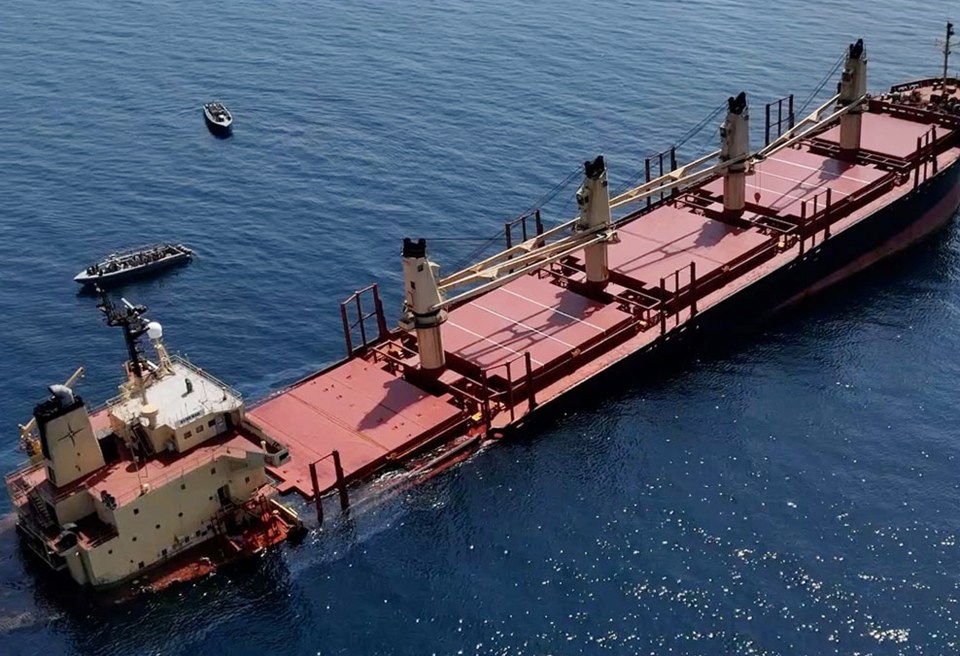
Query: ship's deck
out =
(783, 182)
(528, 315)
(358, 409)
(124, 479)
(378, 408)
(670, 238)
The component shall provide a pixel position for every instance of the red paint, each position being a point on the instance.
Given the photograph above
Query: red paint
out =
(790, 177)
(527, 315)
(669, 238)
(935, 218)
(356, 408)
(887, 135)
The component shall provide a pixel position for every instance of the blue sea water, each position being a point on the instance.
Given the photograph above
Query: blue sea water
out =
(794, 493)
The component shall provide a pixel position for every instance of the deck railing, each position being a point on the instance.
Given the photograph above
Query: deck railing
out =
(206, 374)
(18, 491)
(926, 156)
(355, 304)
(518, 383)
(340, 484)
(510, 228)
(783, 118)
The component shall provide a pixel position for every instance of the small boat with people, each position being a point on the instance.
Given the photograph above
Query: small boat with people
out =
(218, 117)
(122, 266)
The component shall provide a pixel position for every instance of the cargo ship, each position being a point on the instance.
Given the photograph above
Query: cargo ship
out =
(694, 251)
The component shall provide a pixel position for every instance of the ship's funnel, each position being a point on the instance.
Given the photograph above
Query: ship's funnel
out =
(67, 440)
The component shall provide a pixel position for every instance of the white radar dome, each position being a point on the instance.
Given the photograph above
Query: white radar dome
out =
(154, 330)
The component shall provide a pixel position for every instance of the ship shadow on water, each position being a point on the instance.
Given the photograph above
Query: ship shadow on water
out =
(220, 134)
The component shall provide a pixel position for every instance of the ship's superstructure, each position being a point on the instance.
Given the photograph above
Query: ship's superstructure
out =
(160, 470)
(698, 250)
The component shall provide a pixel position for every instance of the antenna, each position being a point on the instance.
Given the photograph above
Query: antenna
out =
(129, 317)
(155, 333)
(946, 51)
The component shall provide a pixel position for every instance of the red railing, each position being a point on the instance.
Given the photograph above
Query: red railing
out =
(355, 303)
(926, 156)
(521, 221)
(673, 301)
(341, 483)
(526, 383)
(663, 158)
(789, 119)
(815, 212)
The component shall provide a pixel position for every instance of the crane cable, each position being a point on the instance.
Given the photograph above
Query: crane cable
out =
(486, 242)
(687, 136)
(823, 82)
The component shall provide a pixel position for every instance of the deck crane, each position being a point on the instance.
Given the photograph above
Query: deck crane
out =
(428, 296)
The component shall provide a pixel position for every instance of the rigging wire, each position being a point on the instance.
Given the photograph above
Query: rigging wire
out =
(486, 242)
(572, 175)
(684, 138)
(475, 253)
(550, 195)
(823, 82)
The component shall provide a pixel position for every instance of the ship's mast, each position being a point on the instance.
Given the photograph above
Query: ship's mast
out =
(130, 319)
(593, 199)
(422, 309)
(734, 150)
(853, 88)
(946, 52)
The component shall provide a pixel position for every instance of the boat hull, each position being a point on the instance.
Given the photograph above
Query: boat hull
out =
(125, 275)
(216, 126)
(889, 230)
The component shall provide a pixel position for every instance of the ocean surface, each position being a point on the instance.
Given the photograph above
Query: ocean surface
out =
(792, 493)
